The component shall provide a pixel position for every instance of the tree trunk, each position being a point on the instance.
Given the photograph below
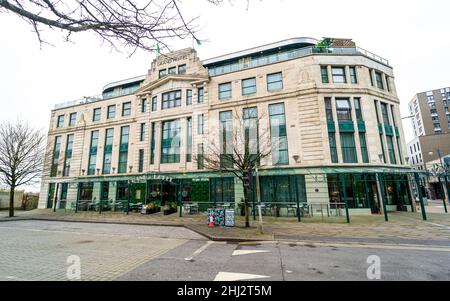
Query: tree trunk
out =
(11, 202)
(247, 212)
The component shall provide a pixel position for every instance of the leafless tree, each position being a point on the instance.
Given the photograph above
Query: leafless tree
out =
(146, 25)
(22, 151)
(242, 145)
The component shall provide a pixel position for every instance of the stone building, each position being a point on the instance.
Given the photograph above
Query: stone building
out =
(330, 109)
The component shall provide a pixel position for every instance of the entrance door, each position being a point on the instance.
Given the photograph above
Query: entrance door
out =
(51, 192)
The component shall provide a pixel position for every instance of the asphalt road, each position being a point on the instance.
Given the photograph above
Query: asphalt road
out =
(38, 250)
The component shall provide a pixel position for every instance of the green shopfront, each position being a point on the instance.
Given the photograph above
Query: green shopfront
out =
(363, 190)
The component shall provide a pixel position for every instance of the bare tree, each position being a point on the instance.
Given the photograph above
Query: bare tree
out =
(22, 151)
(127, 23)
(242, 145)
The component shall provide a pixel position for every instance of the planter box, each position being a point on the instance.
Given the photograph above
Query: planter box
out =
(170, 211)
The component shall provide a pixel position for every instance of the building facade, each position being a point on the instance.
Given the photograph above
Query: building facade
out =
(331, 114)
(430, 118)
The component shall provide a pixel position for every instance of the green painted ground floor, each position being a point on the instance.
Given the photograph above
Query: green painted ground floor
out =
(363, 191)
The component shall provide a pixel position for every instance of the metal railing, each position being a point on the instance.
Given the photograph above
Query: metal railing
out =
(292, 54)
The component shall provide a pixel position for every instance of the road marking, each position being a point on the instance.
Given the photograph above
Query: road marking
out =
(199, 250)
(439, 225)
(224, 276)
(374, 246)
(247, 252)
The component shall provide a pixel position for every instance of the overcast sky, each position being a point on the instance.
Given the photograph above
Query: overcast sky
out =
(413, 35)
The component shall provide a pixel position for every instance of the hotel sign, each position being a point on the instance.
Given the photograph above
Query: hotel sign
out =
(170, 60)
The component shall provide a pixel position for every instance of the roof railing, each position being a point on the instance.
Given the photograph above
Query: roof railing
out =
(292, 54)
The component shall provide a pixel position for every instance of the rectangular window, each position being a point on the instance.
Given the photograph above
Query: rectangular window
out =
(123, 151)
(111, 112)
(162, 73)
(200, 95)
(60, 121)
(226, 139)
(333, 148)
(328, 109)
(141, 161)
(170, 142)
(364, 152)
(171, 100)
(225, 91)
(249, 86)
(343, 109)
(278, 133)
(391, 150)
(274, 82)
(251, 135)
(92, 164)
(126, 109)
(385, 115)
(182, 69)
(324, 73)
(143, 105)
(154, 103)
(85, 191)
(200, 124)
(348, 148)
(72, 119)
(358, 110)
(173, 70)
(188, 97)
(123, 190)
(68, 155)
(153, 145)
(142, 132)
(107, 152)
(379, 80)
(338, 74)
(56, 154)
(200, 156)
(353, 77)
(189, 140)
(96, 114)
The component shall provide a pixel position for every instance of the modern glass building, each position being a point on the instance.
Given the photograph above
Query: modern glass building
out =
(328, 111)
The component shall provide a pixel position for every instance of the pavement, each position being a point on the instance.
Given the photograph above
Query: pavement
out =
(403, 227)
(44, 250)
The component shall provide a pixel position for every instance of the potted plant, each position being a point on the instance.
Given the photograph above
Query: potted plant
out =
(170, 208)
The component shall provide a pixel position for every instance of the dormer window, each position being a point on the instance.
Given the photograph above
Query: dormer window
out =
(182, 69)
(162, 73)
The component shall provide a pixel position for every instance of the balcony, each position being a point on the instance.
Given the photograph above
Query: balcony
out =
(289, 55)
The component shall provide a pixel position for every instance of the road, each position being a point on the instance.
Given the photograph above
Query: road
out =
(39, 250)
